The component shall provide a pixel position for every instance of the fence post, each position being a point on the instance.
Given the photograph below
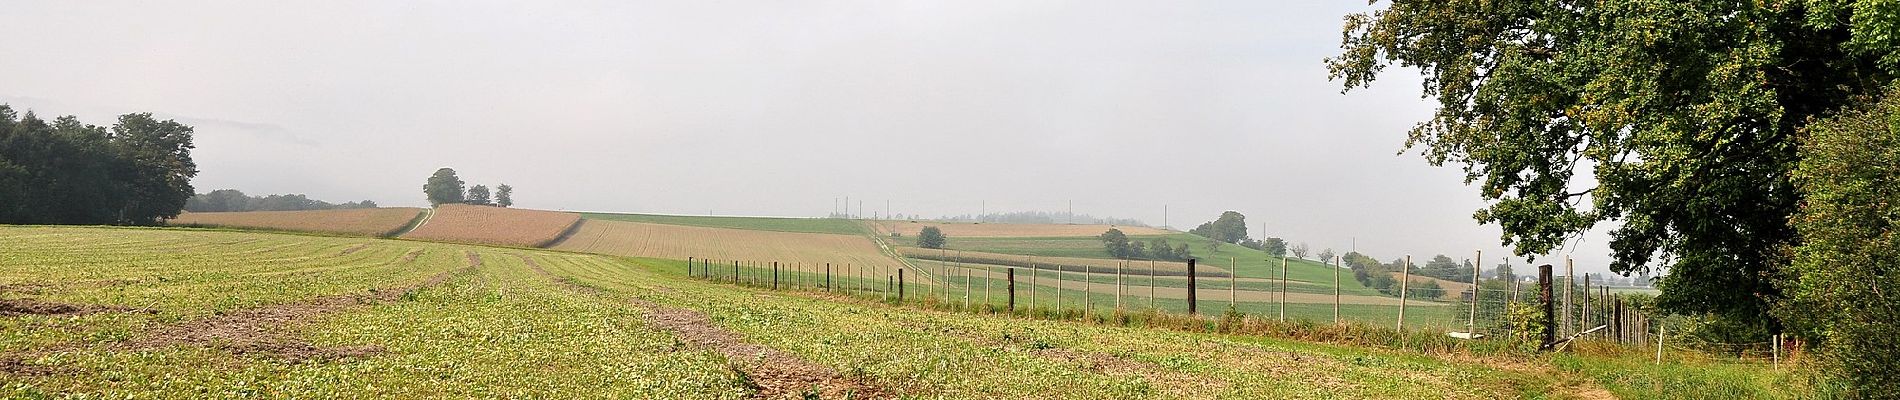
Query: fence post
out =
(827, 277)
(1660, 335)
(1283, 267)
(775, 275)
(1583, 313)
(735, 272)
(900, 285)
(1404, 285)
(1088, 293)
(1336, 262)
(1545, 303)
(1232, 281)
(1033, 274)
(1570, 279)
(1477, 266)
(1193, 309)
(1118, 284)
(1012, 289)
(689, 267)
(1151, 285)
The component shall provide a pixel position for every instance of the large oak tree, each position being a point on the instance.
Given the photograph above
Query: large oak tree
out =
(1683, 116)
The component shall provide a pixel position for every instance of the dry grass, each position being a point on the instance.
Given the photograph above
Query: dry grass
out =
(638, 239)
(965, 229)
(363, 221)
(494, 225)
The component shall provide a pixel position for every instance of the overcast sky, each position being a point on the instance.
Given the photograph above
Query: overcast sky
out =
(776, 107)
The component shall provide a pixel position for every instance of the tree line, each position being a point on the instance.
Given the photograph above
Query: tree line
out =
(444, 187)
(1120, 246)
(136, 172)
(226, 200)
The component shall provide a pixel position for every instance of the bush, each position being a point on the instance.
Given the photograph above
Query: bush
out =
(1849, 176)
(931, 238)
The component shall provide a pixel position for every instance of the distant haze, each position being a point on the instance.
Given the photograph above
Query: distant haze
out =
(777, 108)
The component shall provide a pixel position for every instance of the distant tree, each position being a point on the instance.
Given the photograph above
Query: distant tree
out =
(443, 187)
(1137, 249)
(1116, 243)
(505, 195)
(1384, 283)
(1326, 255)
(1504, 273)
(478, 194)
(1231, 227)
(1250, 243)
(1441, 267)
(931, 238)
(1274, 246)
(1181, 252)
(1427, 290)
(1299, 250)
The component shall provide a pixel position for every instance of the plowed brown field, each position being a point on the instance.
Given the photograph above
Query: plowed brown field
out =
(638, 239)
(363, 221)
(494, 225)
(966, 229)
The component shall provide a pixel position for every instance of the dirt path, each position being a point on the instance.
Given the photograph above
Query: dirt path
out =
(776, 374)
(261, 330)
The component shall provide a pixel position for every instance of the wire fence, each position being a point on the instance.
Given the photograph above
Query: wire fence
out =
(1579, 311)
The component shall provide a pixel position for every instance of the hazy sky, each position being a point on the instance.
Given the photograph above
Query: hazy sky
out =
(776, 107)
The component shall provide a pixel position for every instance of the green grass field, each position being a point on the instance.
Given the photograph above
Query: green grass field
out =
(182, 313)
(801, 225)
(1247, 263)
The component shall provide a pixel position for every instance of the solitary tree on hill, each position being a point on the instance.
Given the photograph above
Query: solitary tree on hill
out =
(443, 187)
(505, 195)
(931, 238)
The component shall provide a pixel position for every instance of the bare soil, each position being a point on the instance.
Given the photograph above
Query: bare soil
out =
(775, 374)
(262, 330)
(13, 307)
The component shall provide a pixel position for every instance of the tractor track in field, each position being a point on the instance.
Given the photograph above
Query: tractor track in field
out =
(261, 330)
(775, 374)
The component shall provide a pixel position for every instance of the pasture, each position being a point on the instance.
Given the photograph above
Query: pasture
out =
(775, 224)
(639, 239)
(462, 223)
(184, 313)
(972, 229)
(359, 222)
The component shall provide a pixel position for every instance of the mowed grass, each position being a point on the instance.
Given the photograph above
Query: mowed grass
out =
(502, 330)
(799, 225)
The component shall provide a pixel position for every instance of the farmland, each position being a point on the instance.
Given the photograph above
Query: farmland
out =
(360, 222)
(970, 229)
(796, 225)
(192, 313)
(463, 223)
(638, 239)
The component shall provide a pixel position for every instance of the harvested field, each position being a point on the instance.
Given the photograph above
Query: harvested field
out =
(638, 239)
(464, 223)
(361, 221)
(967, 229)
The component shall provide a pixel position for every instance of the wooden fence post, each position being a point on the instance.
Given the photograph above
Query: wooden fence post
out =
(775, 275)
(735, 272)
(1283, 267)
(987, 278)
(1545, 303)
(1404, 285)
(1012, 289)
(900, 285)
(1151, 285)
(1570, 279)
(1233, 280)
(689, 267)
(1336, 262)
(1477, 265)
(827, 277)
(1118, 284)
(1193, 309)
(1034, 273)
